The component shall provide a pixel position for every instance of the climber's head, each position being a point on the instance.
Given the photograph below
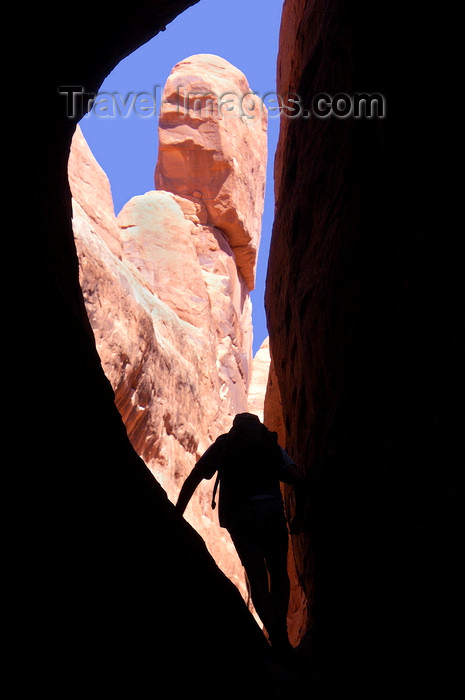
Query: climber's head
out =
(245, 417)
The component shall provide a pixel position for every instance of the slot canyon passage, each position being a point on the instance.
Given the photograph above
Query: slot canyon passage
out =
(111, 590)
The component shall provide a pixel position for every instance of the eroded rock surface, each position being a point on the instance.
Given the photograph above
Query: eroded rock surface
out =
(213, 150)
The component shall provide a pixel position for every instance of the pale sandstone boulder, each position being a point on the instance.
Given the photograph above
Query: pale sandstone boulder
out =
(259, 379)
(191, 267)
(157, 239)
(213, 150)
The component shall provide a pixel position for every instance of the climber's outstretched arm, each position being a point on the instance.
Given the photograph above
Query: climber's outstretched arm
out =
(188, 488)
(204, 469)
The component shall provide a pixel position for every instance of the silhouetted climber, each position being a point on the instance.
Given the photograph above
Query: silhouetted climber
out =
(250, 465)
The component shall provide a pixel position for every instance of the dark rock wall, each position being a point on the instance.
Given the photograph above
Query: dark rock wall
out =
(364, 304)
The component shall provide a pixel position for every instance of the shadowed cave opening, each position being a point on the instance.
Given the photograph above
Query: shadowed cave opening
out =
(363, 319)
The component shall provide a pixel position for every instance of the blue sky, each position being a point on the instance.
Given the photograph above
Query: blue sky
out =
(126, 147)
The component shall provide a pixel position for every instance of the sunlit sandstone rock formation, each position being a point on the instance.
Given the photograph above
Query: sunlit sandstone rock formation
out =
(213, 150)
(170, 307)
(259, 379)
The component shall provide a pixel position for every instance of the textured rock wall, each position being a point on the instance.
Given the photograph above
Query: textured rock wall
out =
(362, 314)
